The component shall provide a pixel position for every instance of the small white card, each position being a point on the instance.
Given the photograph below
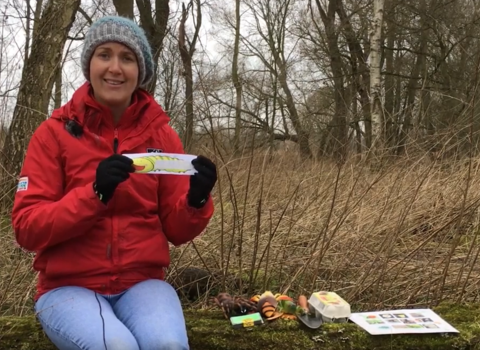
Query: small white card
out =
(163, 163)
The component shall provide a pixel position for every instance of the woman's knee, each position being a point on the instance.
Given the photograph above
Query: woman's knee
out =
(173, 345)
(155, 285)
(154, 293)
(90, 341)
(76, 318)
(163, 343)
(124, 341)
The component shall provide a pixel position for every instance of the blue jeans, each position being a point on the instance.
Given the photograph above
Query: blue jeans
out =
(148, 316)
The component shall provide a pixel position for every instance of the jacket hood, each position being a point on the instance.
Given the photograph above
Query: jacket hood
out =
(86, 111)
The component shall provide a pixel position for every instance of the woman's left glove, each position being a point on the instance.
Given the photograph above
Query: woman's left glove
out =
(202, 182)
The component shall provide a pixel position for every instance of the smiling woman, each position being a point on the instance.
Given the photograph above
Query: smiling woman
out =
(114, 76)
(100, 231)
(116, 61)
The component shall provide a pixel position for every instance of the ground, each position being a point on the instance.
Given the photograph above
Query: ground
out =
(208, 330)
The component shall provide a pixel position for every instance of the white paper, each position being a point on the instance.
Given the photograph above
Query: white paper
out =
(408, 321)
(163, 163)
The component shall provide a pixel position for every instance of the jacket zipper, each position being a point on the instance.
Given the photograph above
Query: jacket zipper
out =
(110, 253)
(115, 140)
(111, 246)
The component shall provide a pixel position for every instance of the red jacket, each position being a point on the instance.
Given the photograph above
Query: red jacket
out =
(77, 239)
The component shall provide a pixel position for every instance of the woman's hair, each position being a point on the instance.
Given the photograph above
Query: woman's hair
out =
(74, 128)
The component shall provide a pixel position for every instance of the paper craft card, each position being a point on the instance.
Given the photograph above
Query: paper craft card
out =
(163, 163)
(419, 321)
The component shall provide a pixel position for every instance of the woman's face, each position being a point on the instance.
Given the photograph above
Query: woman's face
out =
(113, 74)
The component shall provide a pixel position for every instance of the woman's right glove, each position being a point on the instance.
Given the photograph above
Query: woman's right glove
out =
(110, 173)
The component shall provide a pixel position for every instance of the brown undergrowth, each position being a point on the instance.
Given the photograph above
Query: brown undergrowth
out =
(402, 234)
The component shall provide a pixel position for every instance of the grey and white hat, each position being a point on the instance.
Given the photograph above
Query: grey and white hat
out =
(124, 31)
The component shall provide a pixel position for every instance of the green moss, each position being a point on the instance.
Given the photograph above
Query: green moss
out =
(209, 330)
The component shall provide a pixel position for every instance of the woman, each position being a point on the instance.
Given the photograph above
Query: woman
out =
(100, 232)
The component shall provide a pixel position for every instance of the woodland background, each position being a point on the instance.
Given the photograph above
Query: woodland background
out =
(345, 132)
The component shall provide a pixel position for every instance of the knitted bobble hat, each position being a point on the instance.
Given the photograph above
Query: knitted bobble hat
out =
(124, 31)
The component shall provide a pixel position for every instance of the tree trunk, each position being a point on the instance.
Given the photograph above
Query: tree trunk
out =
(360, 70)
(378, 128)
(236, 81)
(412, 87)
(154, 23)
(276, 30)
(57, 97)
(38, 76)
(390, 82)
(124, 8)
(186, 54)
(292, 109)
(338, 126)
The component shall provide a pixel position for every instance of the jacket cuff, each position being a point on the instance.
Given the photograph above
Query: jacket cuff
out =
(204, 211)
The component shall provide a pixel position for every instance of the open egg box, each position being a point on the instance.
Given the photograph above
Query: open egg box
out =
(330, 307)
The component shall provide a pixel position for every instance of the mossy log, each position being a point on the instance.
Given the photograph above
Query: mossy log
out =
(209, 330)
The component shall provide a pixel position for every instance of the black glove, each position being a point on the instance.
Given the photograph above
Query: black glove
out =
(202, 182)
(110, 173)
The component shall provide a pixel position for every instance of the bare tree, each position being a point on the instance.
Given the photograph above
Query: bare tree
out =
(154, 22)
(375, 74)
(124, 8)
(170, 83)
(187, 49)
(271, 19)
(38, 76)
(155, 25)
(335, 140)
(237, 82)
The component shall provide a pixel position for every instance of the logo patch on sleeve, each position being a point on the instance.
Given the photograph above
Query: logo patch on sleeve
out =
(22, 184)
(154, 150)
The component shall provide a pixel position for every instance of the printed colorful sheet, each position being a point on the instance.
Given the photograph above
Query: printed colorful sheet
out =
(402, 322)
(163, 163)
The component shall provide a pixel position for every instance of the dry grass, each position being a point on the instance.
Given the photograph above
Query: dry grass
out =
(402, 234)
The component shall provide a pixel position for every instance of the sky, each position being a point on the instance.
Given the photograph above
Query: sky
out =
(213, 40)
(12, 46)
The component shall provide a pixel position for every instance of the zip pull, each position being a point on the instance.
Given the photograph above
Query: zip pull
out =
(115, 140)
